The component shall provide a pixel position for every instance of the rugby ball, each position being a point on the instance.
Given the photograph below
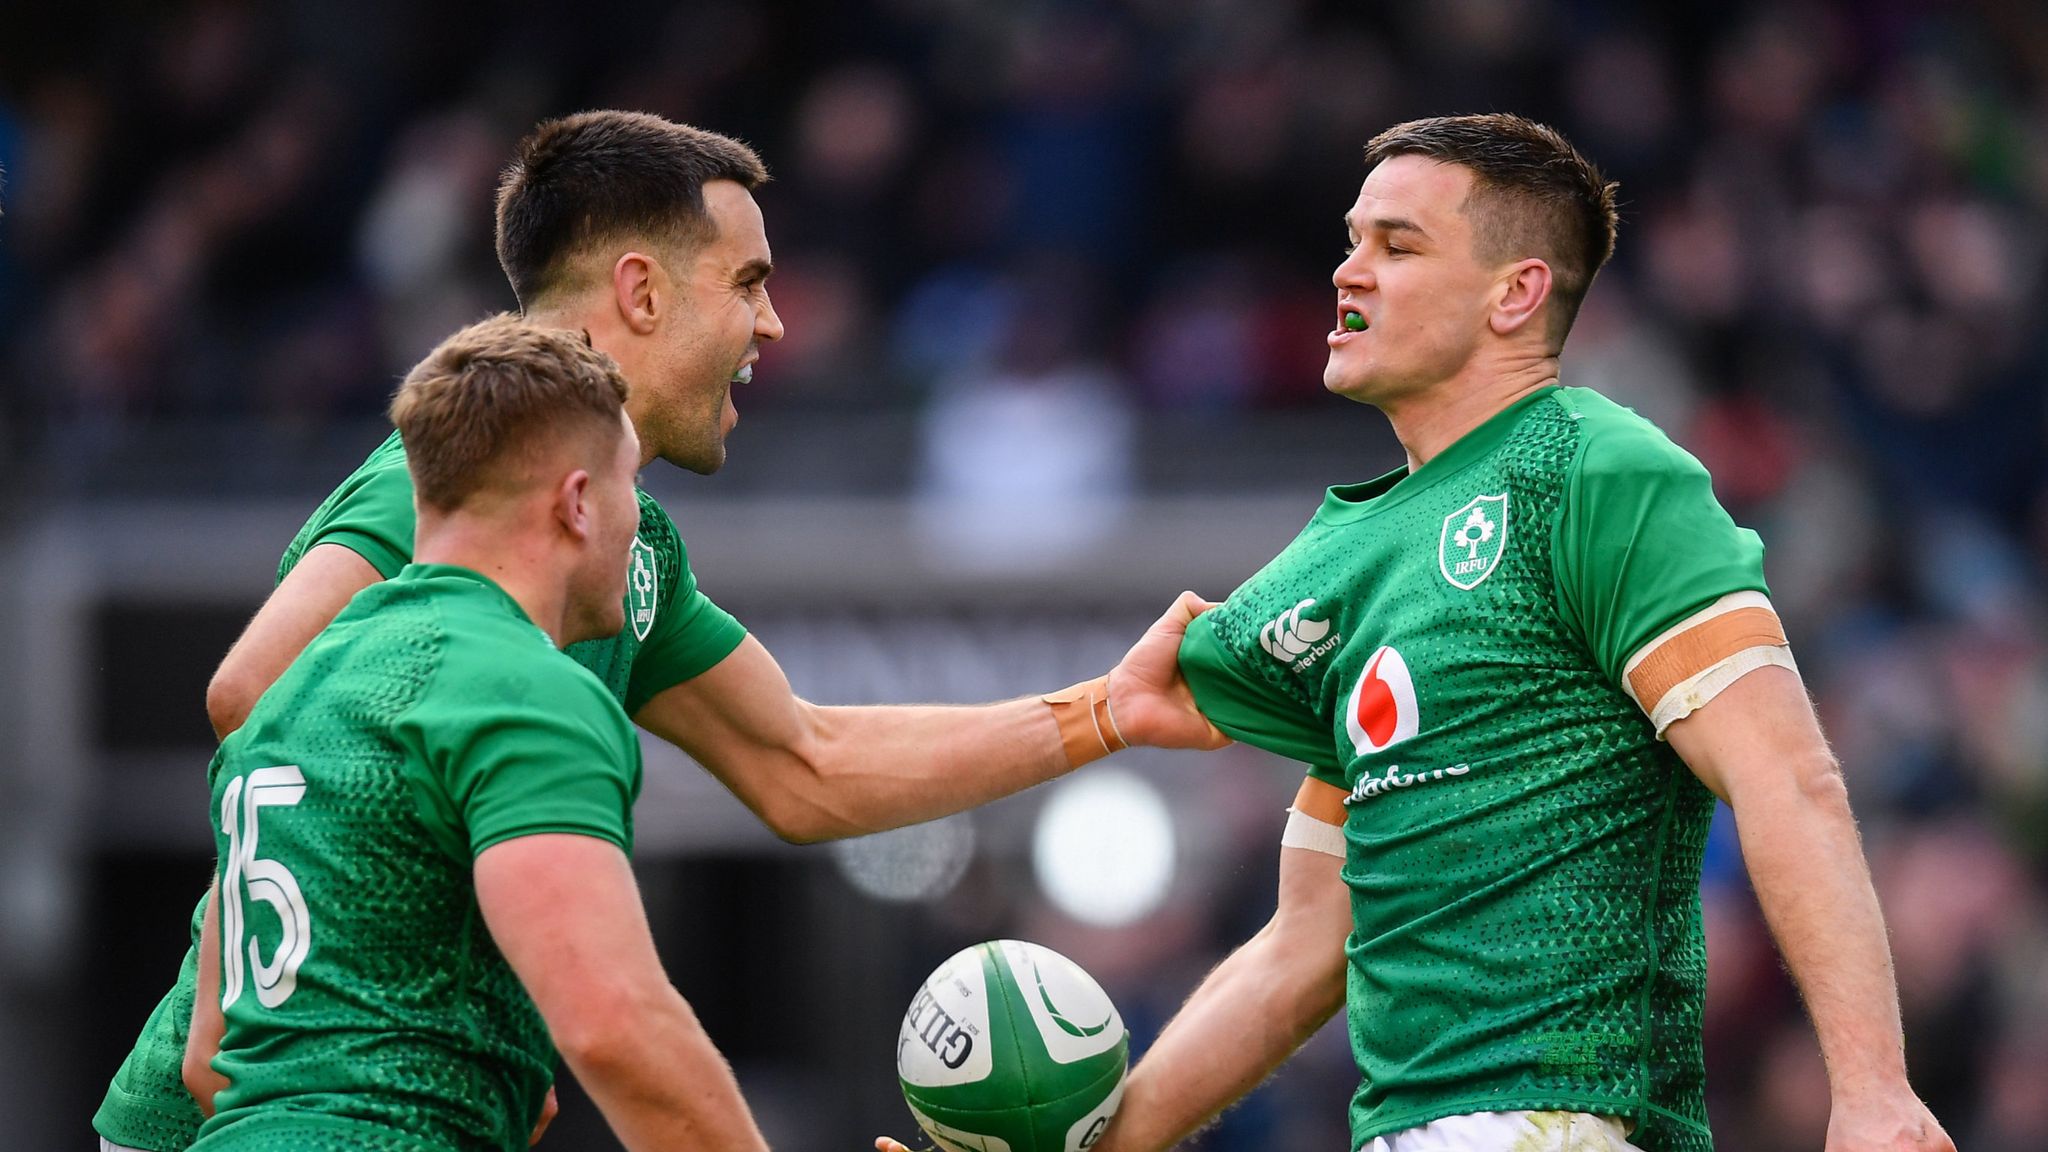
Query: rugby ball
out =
(1010, 1047)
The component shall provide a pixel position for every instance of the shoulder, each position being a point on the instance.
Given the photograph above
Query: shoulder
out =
(658, 531)
(495, 697)
(1617, 444)
(385, 463)
(655, 522)
(498, 665)
(390, 452)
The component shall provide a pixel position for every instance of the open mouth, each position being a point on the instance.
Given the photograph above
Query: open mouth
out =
(1351, 319)
(744, 374)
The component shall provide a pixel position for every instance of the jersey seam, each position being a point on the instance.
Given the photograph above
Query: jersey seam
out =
(362, 543)
(544, 828)
(1566, 500)
(1675, 1118)
(426, 692)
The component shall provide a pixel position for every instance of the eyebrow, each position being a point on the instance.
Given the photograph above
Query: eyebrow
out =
(1387, 224)
(755, 270)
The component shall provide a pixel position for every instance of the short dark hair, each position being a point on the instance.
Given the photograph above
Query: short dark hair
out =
(474, 412)
(607, 175)
(1533, 194)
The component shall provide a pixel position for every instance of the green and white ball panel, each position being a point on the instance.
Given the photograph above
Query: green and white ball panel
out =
(944, 1044)
(1010, 1047)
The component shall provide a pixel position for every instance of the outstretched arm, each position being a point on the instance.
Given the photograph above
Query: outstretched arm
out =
(1758, 746)
(1264, 1001)
(566, 913)
(816, 773)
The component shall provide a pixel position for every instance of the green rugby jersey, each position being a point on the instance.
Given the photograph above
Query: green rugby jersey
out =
(1523, 853)
(673, 632)
(366, 1003)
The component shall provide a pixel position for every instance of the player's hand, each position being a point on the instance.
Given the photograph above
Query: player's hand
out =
(1147, 694)
(884, 1144)
(1895, 1123)
(548, 1107)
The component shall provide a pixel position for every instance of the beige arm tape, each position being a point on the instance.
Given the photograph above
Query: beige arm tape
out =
(1087, 727)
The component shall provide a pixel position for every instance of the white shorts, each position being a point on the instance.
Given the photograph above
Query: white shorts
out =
(107, 1145)
(1501, 1131)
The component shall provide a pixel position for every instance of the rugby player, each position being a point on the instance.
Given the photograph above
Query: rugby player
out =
(644, 234)
(424, 825)
(1520, 671)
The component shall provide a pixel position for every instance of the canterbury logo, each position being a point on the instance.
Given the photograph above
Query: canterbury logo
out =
(1079, 1031)
(1381, 711)
(1288, 637)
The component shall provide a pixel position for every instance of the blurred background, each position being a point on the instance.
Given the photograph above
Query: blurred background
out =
(1067, 265)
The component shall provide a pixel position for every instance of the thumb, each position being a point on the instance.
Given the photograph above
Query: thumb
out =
(1189, 606)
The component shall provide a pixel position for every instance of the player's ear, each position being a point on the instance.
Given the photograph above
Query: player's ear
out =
(1519, 295)
(572, 504)
(637, 291)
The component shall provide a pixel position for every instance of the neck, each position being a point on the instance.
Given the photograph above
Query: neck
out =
(519, 562)
(609, 336)
(1434, 418)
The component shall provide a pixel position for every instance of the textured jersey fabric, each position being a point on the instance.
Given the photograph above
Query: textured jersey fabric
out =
(1523, 853)
(673, 632)
(360, 984)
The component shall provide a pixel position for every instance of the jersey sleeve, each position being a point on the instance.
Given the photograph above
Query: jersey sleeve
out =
(371, 514)
(516, 766)
(689, 634)
(1251, 709)
(1642, 546)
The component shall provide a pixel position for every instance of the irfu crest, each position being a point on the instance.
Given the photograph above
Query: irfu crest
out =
(1474, 539)
(643, 589)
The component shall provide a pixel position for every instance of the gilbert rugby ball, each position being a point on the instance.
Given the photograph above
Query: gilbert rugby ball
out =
(1010, 1047)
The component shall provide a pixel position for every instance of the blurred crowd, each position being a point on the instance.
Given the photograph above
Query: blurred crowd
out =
(1037, 224)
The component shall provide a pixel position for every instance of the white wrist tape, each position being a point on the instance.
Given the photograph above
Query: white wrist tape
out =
(1305, 831)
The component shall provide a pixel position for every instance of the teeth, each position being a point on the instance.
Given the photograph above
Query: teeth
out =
(744, 376)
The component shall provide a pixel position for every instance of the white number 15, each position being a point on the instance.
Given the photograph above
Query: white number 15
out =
(266, 880)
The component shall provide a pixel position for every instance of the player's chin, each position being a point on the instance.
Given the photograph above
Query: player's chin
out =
(703, 459)
(1344, 378)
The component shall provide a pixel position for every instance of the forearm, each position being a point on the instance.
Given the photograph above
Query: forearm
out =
(1804, 859)
(815, 773)
(661, 1084)
(203, 1035)
(871, 768)
(1246, 1019)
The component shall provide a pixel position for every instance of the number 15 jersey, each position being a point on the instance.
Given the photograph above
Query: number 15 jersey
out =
(367, 1005)
(1476, 662)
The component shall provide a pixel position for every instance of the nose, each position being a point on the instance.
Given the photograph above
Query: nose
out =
(767, 325)
(1353, 271)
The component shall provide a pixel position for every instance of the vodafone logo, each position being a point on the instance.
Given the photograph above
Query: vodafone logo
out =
(1381, 711)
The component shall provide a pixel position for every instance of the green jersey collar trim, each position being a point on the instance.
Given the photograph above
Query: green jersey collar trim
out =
(416, 572)
(1351, 501)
